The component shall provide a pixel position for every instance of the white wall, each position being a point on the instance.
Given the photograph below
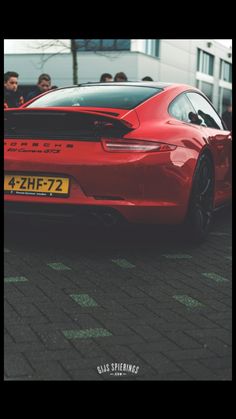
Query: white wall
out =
(177, 62)
(90, 66)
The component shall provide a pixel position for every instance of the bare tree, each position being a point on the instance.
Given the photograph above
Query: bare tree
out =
(61, 46)
(72, 46)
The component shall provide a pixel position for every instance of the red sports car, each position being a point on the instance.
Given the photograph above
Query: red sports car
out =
(153, 153)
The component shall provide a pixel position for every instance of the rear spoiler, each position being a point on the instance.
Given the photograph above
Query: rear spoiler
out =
(127, 117)
(68, 123)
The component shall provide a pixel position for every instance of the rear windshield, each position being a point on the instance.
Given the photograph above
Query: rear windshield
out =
(121, 97)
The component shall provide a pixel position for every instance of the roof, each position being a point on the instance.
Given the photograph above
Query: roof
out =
(159, 85)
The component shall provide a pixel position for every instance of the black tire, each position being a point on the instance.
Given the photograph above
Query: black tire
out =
(200, 209)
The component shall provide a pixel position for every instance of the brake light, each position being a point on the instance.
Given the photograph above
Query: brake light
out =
(128, 145)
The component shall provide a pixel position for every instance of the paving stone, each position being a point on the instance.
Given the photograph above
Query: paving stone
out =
(16, 365)
(113, 296)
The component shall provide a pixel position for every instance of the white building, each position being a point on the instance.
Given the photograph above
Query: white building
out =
(203, 63)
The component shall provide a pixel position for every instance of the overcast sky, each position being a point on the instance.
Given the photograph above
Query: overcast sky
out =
(12, 46)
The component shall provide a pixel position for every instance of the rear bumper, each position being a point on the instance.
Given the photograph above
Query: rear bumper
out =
(104, 214)
(81, 214)
(141, 188)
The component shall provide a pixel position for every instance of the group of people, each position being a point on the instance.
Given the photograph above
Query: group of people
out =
(13, 97)
(119, 77)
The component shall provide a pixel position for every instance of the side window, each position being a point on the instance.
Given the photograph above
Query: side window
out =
(182, 109)
(205, 111)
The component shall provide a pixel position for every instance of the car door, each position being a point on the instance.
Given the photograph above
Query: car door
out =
(220, 143)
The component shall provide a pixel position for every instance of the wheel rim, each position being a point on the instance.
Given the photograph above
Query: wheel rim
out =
(204, 196)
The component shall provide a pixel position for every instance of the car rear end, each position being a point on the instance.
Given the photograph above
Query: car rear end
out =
(82, 161)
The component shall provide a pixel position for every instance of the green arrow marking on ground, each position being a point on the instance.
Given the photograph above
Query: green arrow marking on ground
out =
(187, 301)
(59, 266)
(84, 300)
(178, 256)
(123, 263)
(6, 250)
(15, 279)
(215, 277)
(86, 333)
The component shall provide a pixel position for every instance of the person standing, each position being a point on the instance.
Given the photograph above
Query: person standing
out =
(227, 117)
(43, 85)
(13, 98)
(147, 78)
(106, 78)
(119, 77)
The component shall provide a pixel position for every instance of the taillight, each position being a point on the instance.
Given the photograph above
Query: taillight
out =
(123, 145)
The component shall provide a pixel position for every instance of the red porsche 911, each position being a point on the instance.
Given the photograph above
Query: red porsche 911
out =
(154, 153)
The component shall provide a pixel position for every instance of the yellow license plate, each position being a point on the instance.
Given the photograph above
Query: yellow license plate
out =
(36, 185)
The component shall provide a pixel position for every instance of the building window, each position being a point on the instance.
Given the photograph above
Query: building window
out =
(206, 88)
(107, 44)
(152, 47)
(225, 99)
(205, 62)
(157, 47)
(225, 71)
(103, 44)
(123, 44)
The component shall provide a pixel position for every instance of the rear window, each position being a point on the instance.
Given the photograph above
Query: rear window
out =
(121, 97)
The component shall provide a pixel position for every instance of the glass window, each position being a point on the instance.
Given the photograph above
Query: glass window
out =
(207, 89)
(148, 46)
(92, 44)
(225, 99)
(123, 97)
(221, 68)
(198, 59)
(123, 44)
(205, 62)
(152, 47)
(205, 111)
(103, 44)
(88, 44)
(80, 44)
(182, 109)
(227, 73)
(107, 44)
(157, 47)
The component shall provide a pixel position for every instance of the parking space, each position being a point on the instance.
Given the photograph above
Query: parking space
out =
(81, 302)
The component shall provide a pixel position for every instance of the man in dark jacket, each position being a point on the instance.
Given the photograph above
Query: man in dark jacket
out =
(227, 117)
(43, 85)
(12, 96)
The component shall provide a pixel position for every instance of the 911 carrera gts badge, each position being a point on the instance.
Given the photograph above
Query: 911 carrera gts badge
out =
(33, 147)
(24, 150)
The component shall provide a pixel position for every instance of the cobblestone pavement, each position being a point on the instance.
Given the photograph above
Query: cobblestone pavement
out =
(81, 302)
